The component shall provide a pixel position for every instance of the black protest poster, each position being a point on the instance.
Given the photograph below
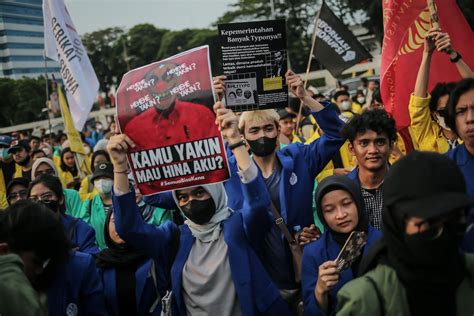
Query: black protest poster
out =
(254, 59)
(336, 46)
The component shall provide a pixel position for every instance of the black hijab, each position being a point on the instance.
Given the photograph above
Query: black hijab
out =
(341, 182)
(117, 256)
(125, 260)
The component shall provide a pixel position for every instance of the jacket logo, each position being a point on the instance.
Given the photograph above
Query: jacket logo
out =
(71, 310)
(293, 179)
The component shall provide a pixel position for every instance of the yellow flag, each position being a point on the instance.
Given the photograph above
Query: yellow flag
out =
(75, 141)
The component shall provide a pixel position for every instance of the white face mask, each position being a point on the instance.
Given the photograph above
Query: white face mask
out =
(345, 105)
(442, 122)
(361, 100)
(104, 186)
(4, 154)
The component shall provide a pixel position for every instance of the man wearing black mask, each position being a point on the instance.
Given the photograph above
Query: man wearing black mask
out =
(289, 175)
(418, 268)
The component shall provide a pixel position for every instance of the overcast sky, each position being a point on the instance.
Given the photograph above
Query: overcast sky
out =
(93, 15)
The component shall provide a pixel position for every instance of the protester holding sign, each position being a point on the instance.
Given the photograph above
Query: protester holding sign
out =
(289, 176)
(341, 208)
(166, 109)
(216, 270)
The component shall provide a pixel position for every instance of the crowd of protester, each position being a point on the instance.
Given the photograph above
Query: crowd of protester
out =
(82, 240)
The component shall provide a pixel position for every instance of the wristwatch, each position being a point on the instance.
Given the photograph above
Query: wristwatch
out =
(456, 59)
(238, 144)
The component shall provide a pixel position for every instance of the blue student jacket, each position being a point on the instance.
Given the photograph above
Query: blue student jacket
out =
(300, 166)
(76, 288)
(82, 236)
(315, 254)
(257, 294)
(465, 162)
(146, 293)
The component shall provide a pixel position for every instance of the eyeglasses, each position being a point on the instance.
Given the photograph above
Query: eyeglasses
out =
(22, 194)
(46, 171)
(44, 198)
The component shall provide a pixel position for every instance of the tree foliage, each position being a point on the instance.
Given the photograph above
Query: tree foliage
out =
(21, 101)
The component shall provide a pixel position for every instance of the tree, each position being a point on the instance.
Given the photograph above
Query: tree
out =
(175, 42)
(21, 101)
(105, 50)
(143, 42)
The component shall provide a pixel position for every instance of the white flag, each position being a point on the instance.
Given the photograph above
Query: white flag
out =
(63, 44)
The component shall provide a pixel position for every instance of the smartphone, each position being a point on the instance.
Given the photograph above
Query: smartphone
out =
(351, 250)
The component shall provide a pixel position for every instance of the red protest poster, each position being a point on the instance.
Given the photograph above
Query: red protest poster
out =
(166, 109)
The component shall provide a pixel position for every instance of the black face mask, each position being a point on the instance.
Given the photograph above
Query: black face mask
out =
(263, 146)
(200, 212)
(53, 205)
(433, 247)
(24, 162)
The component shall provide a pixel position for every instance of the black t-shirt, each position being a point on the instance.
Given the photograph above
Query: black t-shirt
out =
(8, 170)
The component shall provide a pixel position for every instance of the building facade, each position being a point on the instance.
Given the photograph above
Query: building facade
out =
(22, 40)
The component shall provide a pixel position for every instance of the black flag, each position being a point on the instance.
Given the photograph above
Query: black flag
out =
(336, 47)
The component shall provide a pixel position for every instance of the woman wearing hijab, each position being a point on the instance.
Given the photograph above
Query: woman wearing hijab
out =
(47, 190)
(72, 200)
(417, 268)
(131, 279)
(215, 271)
(341, 209)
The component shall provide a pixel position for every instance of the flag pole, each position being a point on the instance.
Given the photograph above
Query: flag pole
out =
(308, 67)
(435, 18)
(47, 95)
(76, 160)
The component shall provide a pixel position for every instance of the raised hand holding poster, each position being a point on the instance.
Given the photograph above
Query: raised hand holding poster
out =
(166, 109)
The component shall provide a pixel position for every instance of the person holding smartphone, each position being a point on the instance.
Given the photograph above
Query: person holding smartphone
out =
(341, 208)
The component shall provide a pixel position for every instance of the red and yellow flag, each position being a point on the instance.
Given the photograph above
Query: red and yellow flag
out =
(406, 23)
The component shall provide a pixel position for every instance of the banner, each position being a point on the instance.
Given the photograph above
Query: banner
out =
(254, 59)
(63, 44)
(336, 46)
(166, 109)
(406, 24)
(75, 141)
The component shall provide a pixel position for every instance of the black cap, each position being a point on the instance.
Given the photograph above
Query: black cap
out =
(17, 181)
(283, 113)
(17, 145)
(425, 185)
(103, 169)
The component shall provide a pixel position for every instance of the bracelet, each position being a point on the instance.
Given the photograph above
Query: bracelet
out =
(126, 171)
(456, 59)
(238, 144)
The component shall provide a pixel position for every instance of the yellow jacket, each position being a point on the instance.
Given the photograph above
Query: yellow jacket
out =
(3, 201)
(65, 177)
(426, 134)
(84, 191)
(348, 161)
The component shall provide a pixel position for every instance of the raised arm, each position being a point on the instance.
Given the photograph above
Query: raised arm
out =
(131, 227)
(256, 198)
(421, 84)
